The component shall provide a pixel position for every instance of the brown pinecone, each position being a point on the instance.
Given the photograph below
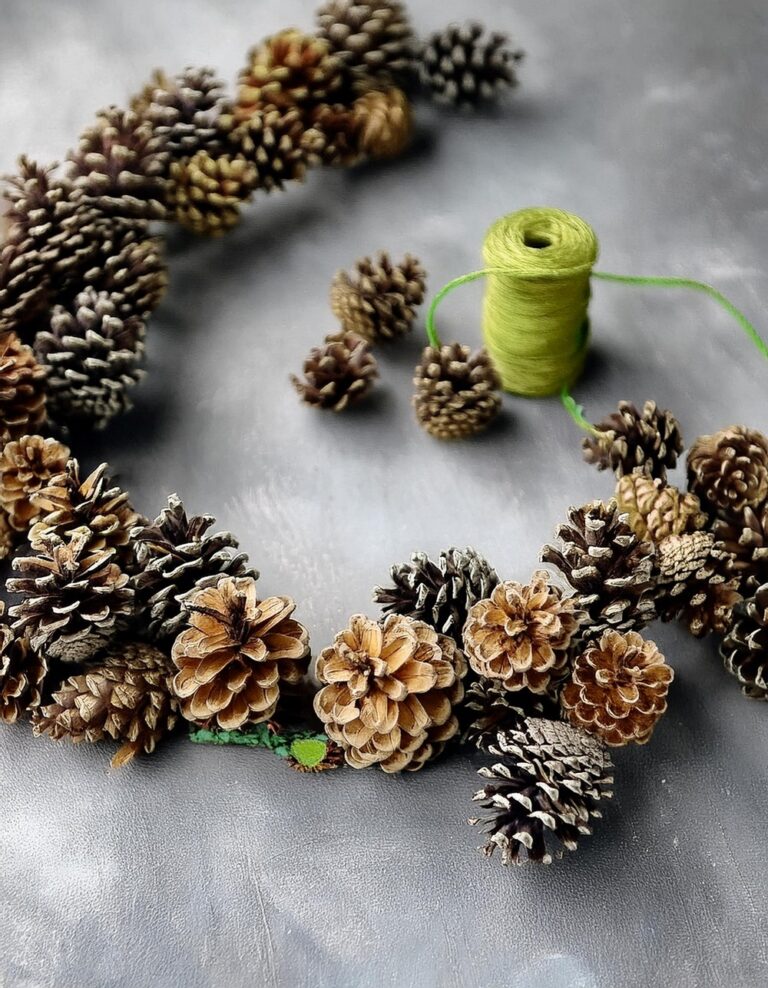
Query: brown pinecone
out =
(289, 69)
(130, 267)
(22, 389)
(729, 470)
(337, 374)
(696, 583)
(275, 142)
(462, 66)
(26, 466)
(745, 648)
(205, 193)
(236, 653)
(491, 708)
(521, 635)
(372, 38)
(655, 510)
(383, 123)
(333, 137)
(8, 535)
(457, 391)
(22, 672)
(390, 692)
(378, 300)
(24, 283)
(618, 688)
(745, 539)
(543, 793)
(74, 600)
(126, 697)
(631, 441)
(608, 566)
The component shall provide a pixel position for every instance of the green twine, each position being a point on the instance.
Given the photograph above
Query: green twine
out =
(305, 747)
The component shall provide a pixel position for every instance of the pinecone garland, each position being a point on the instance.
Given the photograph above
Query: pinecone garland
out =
(205, 193)
(439, 593)
(463, 66)
(608, 566)
(235, 654)
(618, 688)
(373, 39)
(382, 122)
(22, 389)
(656, 510)
(543, 793)
(745, 539)
(378, 300)
(22, 672)
(275, 142)
(633, 441)
(390, 692)
(457, 391)
(126, 698)
(26, 466)
(491, 708)
(337, 374)
(745, 648)
(729, 470)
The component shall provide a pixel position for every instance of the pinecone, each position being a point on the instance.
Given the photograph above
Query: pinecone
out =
(275, 142)
(457, 391)
(696, 583)
(337, 374)
(462, 66)
(378, 300)
(131, 269)
(390, 692)
(26, 466)
(290, 69)
(543, 792)
(22, 389)
(373, 39)
(520, 636)
(491, 708)
(126, 697)
(729, 470)
(92, 357)
(630, 441)
(441, 593)
(608, 566)
(618, 688)
(174, 556)
(333, 137)
(235, 654)
(745, 648)
(655, 510)
(22, 672)
(205, 193)
(745, 539)
(383, 123)
(74, 600)
(24, 283)
(8, 535)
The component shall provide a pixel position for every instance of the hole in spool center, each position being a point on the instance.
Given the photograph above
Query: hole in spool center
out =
(536, 240)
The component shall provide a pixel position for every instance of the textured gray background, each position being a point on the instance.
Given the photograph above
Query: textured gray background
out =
(218, 867)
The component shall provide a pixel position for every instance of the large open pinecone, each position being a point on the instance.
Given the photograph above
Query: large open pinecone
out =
(378, 300)
(655, 510)
(205, 193)
(390, 692)
(22, 672)
(608, 566)
(634, 441)
(337, 374)
(729, 469)
(22, 389)
(26, 466)
(543, 793)
(457, 391)
(745, 539)
(236, 653)
(173, 556)
(277, 144)
(745, 648)
(372, 38)
(489, 708)
(73, 599)
(439, 593)
(125, 697)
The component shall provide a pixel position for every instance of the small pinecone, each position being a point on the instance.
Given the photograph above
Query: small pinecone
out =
(373, 39)
(618, 688)
(383, 123)
(333, 137)
(275, 142)
(235, 654)
(126, 698)
(457, 391)
(631, 441)
(390, 692)
(22, 672)
(655, 510)
(93, 358)
(608, 566)
(205, 193)
(462, 66)
(174, 556)
(130, 267)
(745, 648)
(26, 466)
(378, 300)
(745, 539)
(290, 69)
(491, 708)
(520, 636)
(543, 792)
(729, 470)
(439, 593)
(74, 599)
(22, 389)
(696, 583)
(337, 374)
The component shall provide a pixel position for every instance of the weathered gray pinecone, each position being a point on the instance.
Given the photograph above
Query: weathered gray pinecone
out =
(92, 357)
(608, 566)
(372, 38)
(22, 672)
(489, 708)
(544, 791)
(438, 593)
(378, 300)
(22, 389)
(337, 374)
(745, 539)
(633, 441)
(24, 284)
(729, 469)
(174, 556)
(457, 391)
(130, 267)
(745, 648)
(463, 66)
(275, 142)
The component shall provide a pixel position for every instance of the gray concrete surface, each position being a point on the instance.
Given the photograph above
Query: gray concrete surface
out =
(215, 867)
